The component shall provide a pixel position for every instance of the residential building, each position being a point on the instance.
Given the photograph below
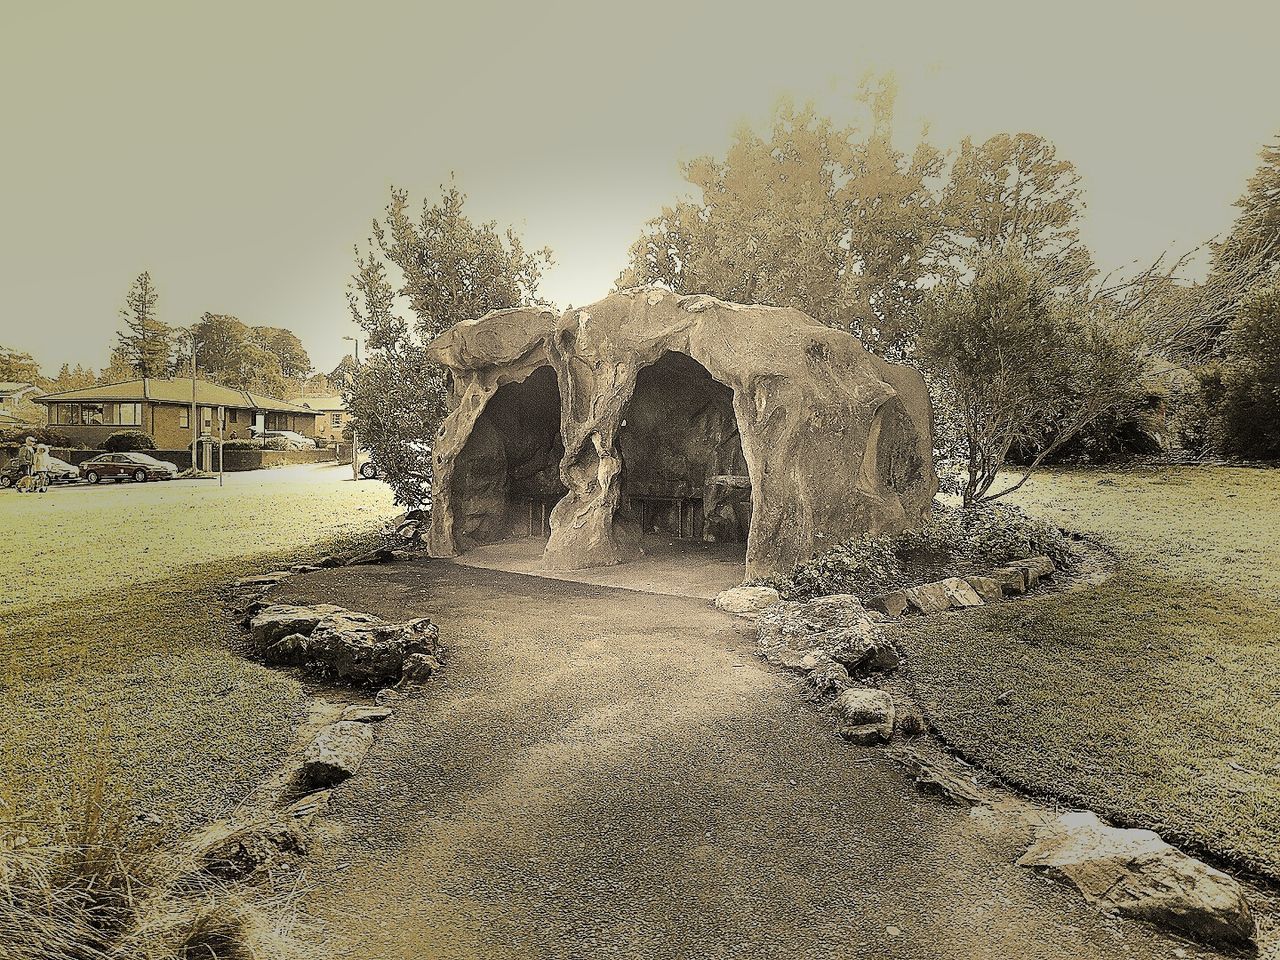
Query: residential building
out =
(332, 415)
(18, 406)
(162, 408)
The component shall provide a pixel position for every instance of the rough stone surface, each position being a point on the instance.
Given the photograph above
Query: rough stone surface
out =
(747, 601)
(891, 604)
(336, 753)
(864, 716)
(262, 580)
(803, 395)
(988, 588)
(861, 654)
(364, 714)
(1134, 872)
(928, 598)
(800, 636)
(960, 593)
(346, 644)
(1038, 566)
(826, 679)
(236, 852)
(1012, 580)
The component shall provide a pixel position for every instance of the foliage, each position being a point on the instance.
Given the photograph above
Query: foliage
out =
(243, 443)
(18, 367)
(1014, 193)
(451, 269)
(952, 542)
(145, 344)
(123, 441)
(284, 345)
(841, 226)
(276, 443)
(76, 378)
(1247, 410)
(49, 436)
(1023, 363)
(232, 353)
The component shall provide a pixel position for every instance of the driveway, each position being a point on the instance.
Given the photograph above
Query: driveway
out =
(604, 772)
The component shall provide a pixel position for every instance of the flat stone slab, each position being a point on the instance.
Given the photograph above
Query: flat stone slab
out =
(1135, 873)
(747, 601)
(365, 714)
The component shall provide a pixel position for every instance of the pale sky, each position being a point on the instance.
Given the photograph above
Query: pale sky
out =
(237, 151)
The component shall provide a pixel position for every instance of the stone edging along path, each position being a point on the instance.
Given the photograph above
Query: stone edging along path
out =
(276, 826)
(835, 643)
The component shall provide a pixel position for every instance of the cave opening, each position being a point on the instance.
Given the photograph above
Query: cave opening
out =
(507, 476)
(684, 475)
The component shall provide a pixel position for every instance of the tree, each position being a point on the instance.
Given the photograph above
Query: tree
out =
(1248, 409)
(145, 343)
(74, 379)
(18, 367)
(1013, 193)
(816, 217)
(118, 368)
(227, 354)
(1251, 251)
(451, 269)
(285, 346)
(1019, 361)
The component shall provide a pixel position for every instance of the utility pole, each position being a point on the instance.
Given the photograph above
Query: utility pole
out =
(355, 439)
(195, 445)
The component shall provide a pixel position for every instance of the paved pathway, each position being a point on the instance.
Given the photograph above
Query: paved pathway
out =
(602, 772)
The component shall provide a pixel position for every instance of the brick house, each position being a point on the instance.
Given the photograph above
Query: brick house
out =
(162, 408)
(332, 416)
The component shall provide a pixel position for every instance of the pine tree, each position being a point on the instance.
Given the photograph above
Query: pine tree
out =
(146, 343)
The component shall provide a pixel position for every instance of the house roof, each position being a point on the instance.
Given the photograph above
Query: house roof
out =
(11, 386)
(176, 391)
(324, 404)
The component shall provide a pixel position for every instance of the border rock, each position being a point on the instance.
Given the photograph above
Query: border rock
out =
(864, 716)
(747, 601)
(336, 753)
(1135, 873)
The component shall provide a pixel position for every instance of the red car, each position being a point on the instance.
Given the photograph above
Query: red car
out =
(132, 466)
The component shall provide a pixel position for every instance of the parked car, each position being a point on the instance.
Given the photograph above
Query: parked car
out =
(369, 469)
(59, 472)
(127, 466)
(296, 441)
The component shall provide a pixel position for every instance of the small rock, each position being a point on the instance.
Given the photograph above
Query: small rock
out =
(1135, 873)
(826, 679)
(235, 853)
(328, 562)
(360, 713)
(988, 588)
(262, 580)
(336, 753)
(305, 568)
(1012, 580)
(862, 654)
(378, 555)
(388, 697)
(407, 531)
(747, 601)
(960, 593)
(909, 721)
(928, 598)
(892, 604)
(863, 715)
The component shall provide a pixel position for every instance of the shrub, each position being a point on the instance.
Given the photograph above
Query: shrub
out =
(243, 444)
(952, 542)
(275, 443)
(45, 435)
(122, 441)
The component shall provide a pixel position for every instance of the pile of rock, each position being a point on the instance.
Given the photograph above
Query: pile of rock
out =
(345, 644)
(958, 593)
(410, 526)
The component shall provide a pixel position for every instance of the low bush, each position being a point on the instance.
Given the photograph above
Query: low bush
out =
(242, 444)
(276, 443)
(952, 542)
(122, 441)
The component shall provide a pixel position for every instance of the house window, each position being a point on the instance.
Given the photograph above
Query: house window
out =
(91, 414)
(335, 419)
(184, 418)
(128, 414)
(233, 416)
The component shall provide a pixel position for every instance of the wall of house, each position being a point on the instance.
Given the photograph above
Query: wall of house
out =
(326, 429)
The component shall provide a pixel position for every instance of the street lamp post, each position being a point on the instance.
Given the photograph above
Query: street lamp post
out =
(355, 439)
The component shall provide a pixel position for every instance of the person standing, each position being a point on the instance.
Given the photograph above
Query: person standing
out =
(26, 462)
(40, 467)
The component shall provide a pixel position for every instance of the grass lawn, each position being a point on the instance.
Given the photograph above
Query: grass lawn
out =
(115, 651)
(1155, 697)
